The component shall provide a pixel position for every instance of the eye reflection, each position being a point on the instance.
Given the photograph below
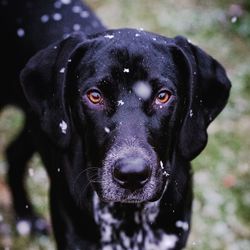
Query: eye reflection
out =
(95, 96)
(163, 97)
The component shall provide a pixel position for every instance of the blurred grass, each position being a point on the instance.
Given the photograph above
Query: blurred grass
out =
(221, 216)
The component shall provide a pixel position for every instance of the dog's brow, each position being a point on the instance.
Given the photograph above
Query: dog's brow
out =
(163, 81)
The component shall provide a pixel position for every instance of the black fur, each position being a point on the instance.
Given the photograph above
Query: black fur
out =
(81, 143)
(24, 32)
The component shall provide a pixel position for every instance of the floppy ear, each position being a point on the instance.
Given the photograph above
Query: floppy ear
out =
(208, 92)
(44, 80)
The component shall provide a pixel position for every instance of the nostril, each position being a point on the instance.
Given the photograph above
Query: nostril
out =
(119, 175)
(131, 172)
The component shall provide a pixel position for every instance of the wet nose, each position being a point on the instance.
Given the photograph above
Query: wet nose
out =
(131, 173)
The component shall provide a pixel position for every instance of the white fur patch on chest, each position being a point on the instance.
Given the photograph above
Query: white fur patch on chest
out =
(145, 238)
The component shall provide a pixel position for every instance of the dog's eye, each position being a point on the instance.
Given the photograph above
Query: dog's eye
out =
(95, 96)
(163, 97)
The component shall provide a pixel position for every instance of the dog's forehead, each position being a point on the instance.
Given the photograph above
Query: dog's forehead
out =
(129, 43)
(134, 35)
(134, 53)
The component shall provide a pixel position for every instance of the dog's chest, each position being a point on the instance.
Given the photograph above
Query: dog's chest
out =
(131, 230)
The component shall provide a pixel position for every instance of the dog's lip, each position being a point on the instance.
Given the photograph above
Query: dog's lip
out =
(131, 200)
(125, 201)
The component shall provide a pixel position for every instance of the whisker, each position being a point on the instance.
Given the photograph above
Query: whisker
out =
(94, 180)
(81, 173)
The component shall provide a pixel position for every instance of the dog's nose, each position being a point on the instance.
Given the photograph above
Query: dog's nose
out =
(131, 173)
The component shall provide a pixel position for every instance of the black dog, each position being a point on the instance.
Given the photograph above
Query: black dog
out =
(118, 116)
(26, 27)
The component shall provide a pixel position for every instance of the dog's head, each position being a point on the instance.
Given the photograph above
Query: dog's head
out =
(135, 99)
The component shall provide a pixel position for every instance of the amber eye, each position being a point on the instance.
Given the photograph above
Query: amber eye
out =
(95, 96)
(163, 97)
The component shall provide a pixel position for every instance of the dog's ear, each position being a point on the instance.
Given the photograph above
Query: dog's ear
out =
(44, 81)
(208, 91)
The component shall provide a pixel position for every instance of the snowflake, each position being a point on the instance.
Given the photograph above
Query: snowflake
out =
(161, 164)
(76, 9)
(57, 16)
(44, 18)
(84, 14)
(21, 32)
(125, 70)
(62, 70)
(120, 102)
(76, 27)
(191, 113)
(63, 125)
(142, 90)
(107, 130)
(109, 36)
(166, 174)
(66, 1)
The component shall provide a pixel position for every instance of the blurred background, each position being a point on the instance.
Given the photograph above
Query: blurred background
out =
(221, 211)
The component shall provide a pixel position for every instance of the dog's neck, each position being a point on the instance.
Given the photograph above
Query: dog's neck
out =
(130, 226)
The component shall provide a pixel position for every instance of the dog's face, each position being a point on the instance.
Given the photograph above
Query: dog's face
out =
(128, 100)
(135, 101)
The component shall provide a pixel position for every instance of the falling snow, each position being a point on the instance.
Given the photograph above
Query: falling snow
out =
(62, 70)
(63, 125)
(21, 32)
(109, 36)
(191, 113)
(120, 102)
(23, 227)
(234, 19)
(76, 27)
(161, 164)
(57, 4)
(182, 224)
(142, 90)
(84, 14)
(126, 70)
(57, 16)
(66, 1)
(107, 130)
(76, 9)
(165, 173)
(44, 18)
